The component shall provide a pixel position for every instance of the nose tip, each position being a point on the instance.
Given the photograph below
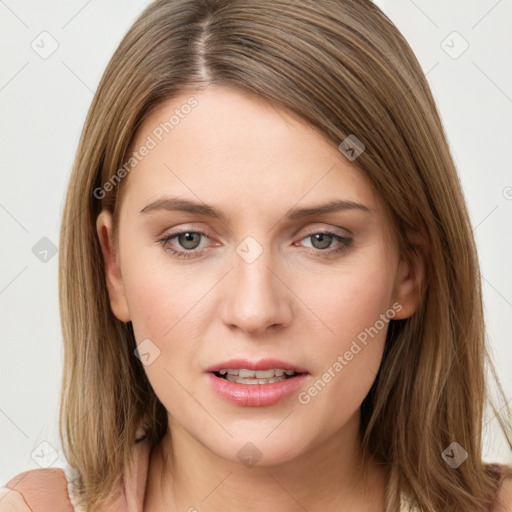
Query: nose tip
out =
(254, 324)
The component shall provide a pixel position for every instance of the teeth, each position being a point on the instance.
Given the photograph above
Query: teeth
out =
(239, 380)
(246, 374)
(264, 374)
(259, 374)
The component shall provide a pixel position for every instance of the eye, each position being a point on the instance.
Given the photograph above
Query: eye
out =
(322, 240)
(187, 239)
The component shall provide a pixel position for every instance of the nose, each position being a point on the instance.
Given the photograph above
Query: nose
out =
(256, 295)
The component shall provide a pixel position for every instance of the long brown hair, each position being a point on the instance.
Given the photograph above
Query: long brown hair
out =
(344, 68)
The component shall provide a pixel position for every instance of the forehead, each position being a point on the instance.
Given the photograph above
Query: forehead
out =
(233, 148)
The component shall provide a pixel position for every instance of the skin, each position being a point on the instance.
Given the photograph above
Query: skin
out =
(294, 302)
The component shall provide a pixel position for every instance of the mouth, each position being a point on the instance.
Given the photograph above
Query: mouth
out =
(266, 383)
(252, 377)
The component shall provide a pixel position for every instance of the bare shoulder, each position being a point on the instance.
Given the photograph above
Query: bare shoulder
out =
(504, 498)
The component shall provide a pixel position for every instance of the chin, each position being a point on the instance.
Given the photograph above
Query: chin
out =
(252, 450)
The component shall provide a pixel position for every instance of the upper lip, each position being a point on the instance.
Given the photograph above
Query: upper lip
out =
(262, 364)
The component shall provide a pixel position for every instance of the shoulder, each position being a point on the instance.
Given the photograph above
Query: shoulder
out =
(36, 490)
(504, 497)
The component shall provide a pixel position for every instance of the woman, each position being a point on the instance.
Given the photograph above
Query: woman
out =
(268, 276)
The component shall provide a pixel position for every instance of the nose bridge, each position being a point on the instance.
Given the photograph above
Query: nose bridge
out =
(257, 298)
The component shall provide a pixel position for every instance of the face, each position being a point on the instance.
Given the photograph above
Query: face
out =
(264, 284)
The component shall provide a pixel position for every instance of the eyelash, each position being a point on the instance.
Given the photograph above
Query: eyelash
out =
(346, 242)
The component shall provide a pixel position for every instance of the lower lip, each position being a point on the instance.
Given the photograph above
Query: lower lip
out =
(256, 395)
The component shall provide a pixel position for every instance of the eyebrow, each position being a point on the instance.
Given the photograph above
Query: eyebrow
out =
(185, 205)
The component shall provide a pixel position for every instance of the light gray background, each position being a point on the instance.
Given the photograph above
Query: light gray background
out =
(44, 103)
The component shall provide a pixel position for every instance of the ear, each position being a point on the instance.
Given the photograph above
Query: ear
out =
(115, 286)
(410, 281)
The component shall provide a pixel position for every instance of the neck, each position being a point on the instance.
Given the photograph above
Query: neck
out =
(327, 476)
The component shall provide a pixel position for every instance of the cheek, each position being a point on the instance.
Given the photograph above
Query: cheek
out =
(169, 305)
(354, 306)
(350, 300)
(164, 303)
(161, 296)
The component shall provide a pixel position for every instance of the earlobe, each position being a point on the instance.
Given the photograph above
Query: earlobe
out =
(114, 282)
(410, 284)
